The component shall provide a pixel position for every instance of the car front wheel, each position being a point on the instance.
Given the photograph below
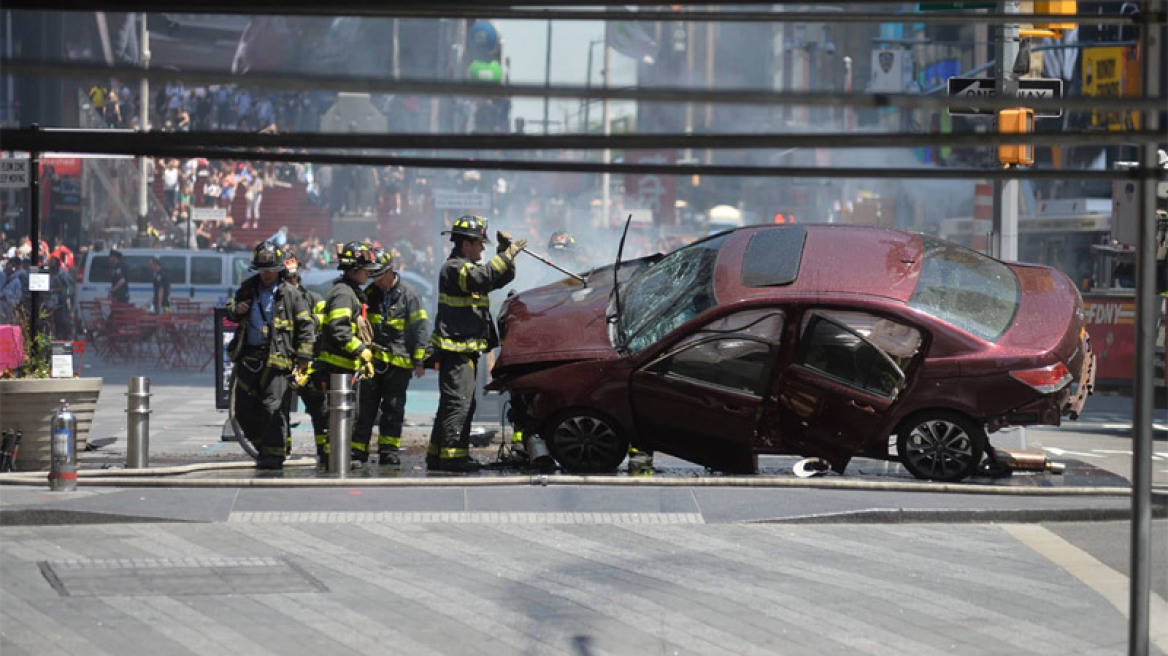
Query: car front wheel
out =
(583, 441)
(940, 446)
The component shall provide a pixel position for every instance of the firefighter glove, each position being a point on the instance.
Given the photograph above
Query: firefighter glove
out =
(514, 248)
(503, 240)
(366, 357)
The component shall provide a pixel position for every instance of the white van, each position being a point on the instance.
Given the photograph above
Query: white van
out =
(203, 276)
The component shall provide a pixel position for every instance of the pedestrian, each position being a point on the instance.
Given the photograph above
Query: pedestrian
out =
(160, 299)
(343, 345)
(58, 305)
(399, 325)
(119, 284)
(273, 343)
(61, 251)
(463, 331)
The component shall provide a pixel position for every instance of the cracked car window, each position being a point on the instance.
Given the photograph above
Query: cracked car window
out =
(969, 290)
(669, 293)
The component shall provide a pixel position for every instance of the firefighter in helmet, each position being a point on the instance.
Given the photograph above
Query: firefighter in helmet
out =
(563, 250)
(463, 331)
(315, 304)
(399, 323)
(341, 347)
(274, 339)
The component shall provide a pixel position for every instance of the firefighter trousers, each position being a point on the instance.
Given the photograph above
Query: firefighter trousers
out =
(450, 437)
(259, 406)
(385, 392)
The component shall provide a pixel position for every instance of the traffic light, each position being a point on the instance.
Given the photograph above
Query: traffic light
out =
(1017, 120)
(1054, 29)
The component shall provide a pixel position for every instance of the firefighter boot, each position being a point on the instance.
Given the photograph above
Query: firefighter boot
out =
(359, 453)
(388, 457)
(640, 462)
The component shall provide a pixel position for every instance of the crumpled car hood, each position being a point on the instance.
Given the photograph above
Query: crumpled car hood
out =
(557, 323)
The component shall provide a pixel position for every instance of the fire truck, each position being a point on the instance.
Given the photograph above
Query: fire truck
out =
(1092, 240)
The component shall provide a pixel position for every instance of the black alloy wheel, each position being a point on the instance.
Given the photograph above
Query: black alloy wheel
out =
(940, 446)
(585, 442)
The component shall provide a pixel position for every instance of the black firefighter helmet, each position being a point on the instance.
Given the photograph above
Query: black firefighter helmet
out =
(355, 255)
(468, 226)
(267, 257)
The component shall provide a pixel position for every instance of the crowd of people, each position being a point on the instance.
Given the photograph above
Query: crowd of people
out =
(56, 307)
(174, 107)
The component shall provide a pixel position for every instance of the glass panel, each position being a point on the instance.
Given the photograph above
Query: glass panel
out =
(175, 267)
(668, 293)
(240, 269)
(99, 269)
(138, 268)
(732, 363)
(843, 355)
(900, 341)
(206, 271)
(969, 290)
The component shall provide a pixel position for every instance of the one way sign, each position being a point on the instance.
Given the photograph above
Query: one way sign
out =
(983, 87)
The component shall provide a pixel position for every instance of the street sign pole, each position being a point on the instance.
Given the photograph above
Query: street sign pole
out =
(1147, 309)
(1005, 224)
(34, 233)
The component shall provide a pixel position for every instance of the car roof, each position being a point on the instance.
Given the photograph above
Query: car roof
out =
(820, 258)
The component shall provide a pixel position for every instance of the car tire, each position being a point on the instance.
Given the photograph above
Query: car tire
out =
(940, 445)
(586, 442)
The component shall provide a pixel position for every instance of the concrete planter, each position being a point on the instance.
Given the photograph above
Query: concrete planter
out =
(29, 404)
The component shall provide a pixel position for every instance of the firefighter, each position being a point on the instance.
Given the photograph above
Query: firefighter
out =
(463, 330)
(315, 303)
(399, 349)
(274, 340)
(340, 348)
(562, 249)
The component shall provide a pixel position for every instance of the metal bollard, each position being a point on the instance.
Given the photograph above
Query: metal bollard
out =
(138, 423)
(63, 450)
(341, 405)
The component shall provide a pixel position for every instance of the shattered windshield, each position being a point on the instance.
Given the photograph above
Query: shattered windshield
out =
(973, 292)
(667, 294)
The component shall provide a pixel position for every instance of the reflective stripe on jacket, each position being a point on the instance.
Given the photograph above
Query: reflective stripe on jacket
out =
(292, 330)
(464, 323)
(339, 344)
(399, 325)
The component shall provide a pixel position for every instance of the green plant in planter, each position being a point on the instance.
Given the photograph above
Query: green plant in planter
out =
(38, 354)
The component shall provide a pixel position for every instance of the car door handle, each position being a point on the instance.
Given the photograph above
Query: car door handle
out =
(862, 407)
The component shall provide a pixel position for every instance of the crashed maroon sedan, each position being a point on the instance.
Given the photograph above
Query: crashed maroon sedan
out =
(824, 341)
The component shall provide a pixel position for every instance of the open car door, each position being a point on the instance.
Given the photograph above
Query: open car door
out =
(835, 394)
(702, 399)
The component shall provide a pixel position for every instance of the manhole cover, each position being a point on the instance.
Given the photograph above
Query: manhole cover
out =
(176, 576)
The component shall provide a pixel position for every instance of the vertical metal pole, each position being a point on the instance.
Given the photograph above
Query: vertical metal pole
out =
(34, 231)
(144, 126)
(340, 423)
(1006, 191)
(138, 423)
(1147, 309)
(547, 75)
(588, 87)
(606, 177)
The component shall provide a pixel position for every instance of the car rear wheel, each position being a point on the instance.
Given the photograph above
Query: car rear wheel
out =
(583, 441)
(940, 446)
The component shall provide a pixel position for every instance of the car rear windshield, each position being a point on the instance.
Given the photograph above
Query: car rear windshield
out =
(969, 290)
(667, 294)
